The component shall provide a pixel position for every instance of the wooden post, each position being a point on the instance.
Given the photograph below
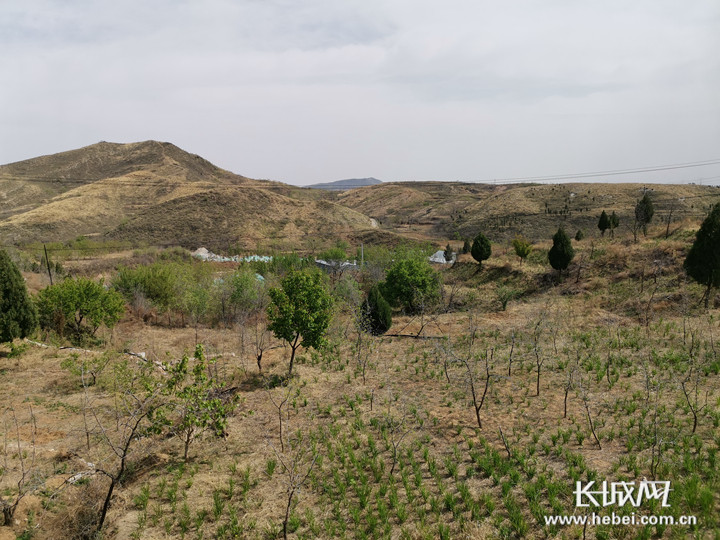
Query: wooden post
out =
(47, 262)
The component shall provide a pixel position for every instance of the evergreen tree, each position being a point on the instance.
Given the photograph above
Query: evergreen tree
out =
(604, 223)
(481, 248)
(644, 211)
(376, 313)
(561, 253)
(466, 246)
(18, 317)
(448, 253)
(614, 223)
(579, 235)
(703, 260)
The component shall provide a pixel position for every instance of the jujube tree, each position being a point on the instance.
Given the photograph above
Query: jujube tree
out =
(80, 306)
(412, 284)
(300, 311)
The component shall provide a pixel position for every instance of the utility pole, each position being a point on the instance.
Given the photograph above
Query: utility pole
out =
(47, 262)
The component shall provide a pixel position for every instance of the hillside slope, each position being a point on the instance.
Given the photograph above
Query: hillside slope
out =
(440, 210)
(155, 192)
(243, 216)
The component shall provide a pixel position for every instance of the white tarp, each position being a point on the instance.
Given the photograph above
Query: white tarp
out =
(439, 258)
(205, 255)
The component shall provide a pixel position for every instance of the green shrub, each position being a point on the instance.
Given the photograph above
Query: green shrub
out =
(411, 284)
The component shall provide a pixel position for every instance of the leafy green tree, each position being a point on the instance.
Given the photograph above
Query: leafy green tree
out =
(18, 317)
(603, 223)
(300, 311)
(522, 247)
(335, 257)
(644, 212)
(79, 306)
(199, 405)
(333, 254)
(196, 292)
(561, 253)
(614, 223)
(411, 284)
(376, 313)
(703, 260)
(245, 288)
(481, 248)
(448, 253)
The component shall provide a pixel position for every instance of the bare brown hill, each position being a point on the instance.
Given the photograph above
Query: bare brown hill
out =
(30, 183)
(246, 217)
(442, 210)
(156, 192)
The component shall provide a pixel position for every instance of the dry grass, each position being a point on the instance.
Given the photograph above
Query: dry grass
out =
(625, 323)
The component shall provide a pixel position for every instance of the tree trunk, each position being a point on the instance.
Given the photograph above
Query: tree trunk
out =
(287, 514)
(592, 427)
(106, 506)
(294, 347)
(188, 439)
(707, 295)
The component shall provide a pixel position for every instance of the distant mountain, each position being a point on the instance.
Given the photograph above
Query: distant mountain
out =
(350, 183)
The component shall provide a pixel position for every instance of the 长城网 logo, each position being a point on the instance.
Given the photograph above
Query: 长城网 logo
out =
(621, 493)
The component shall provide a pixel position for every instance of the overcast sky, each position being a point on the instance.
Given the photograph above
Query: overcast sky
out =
(305, 91)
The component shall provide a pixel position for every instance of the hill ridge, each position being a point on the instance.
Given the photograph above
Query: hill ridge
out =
(155, 191)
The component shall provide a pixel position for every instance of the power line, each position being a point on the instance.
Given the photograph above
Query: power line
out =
(612, 172)
(278, 186)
